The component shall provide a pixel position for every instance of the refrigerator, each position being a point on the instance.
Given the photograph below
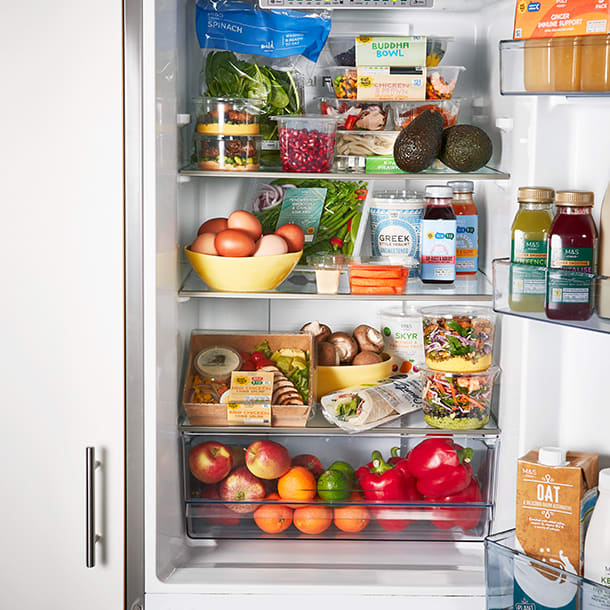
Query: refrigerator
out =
(551, 390)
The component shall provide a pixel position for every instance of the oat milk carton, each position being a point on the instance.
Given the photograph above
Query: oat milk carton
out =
(556, 493)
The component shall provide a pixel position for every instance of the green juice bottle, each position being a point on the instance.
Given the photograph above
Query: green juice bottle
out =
(530, 234)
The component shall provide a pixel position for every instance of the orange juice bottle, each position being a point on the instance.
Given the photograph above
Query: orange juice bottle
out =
(467, 217)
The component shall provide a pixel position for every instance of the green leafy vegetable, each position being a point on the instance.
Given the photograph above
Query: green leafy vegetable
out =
(348, 408)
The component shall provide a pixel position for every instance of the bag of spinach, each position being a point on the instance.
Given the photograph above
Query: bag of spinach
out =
(256, 53)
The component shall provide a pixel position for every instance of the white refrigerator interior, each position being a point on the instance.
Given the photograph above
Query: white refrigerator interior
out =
(552, 381)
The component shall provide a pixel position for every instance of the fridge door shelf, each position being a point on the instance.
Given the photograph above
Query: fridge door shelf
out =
(515, 581)
(301, 284)
(512, 282)
(203, 515)
(485, 173)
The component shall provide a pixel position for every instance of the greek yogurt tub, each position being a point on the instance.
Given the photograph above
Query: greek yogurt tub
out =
(402, 332)
(395, 218)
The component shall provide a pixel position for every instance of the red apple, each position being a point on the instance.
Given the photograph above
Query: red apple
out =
(242, 485)
(311, 462)
(238, 454)
(267, 459)
(210, 462)
(215, 513)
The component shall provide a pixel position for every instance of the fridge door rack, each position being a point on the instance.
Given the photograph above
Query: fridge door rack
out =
(515, 581)
(507, 274)
(211, 519)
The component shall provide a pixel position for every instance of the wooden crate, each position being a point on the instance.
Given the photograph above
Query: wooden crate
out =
(206, 414)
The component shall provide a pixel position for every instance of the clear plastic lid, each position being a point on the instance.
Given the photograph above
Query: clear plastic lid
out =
(326, 261)
(458, 311)
(403, 195)
(397, 261)
(461, 186)
(489, 373)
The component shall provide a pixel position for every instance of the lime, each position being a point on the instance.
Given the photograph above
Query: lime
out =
(346, 469)
(334, 486)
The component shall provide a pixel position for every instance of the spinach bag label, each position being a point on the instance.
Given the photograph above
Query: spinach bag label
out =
(244, 28)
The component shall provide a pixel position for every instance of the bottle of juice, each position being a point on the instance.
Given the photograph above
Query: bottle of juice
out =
(467, 218)
(438, 231)
(572, 247)
(529, 243)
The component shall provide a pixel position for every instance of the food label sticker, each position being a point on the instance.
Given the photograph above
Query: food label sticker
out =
(249, 414)
(438, 249)
(467, 243)
(391, 51)
(251, 387)
(303, 207)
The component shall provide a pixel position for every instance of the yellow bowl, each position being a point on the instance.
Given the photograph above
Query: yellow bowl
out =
(333, 378)
(243, 274)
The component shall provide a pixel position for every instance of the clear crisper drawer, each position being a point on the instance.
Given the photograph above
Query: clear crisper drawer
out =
(221, 510)
(517, 582)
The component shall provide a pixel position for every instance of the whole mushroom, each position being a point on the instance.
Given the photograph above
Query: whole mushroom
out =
(367, 357)
(369, 338)
(346, 346)
(327, 354)
(320, 332)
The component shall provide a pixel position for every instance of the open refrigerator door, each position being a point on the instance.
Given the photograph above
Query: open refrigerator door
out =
(550, 390)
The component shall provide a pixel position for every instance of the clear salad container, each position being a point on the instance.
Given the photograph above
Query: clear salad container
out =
(228, 153)
(353, 114)
(227, 115)
(405, 112)
(441, 81)
(458, 339)
(457, 401)
(307, 142)
(366, 143)
(342, 81)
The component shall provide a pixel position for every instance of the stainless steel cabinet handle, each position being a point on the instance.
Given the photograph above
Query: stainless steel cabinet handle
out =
(91, 536)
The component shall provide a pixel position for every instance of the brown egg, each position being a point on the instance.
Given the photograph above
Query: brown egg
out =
(214, 225)
(246, 222)
(269, 245)
(234, 243)
(204, 244)
(294, 236)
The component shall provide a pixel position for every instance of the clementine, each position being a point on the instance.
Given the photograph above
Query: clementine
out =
(297, 484)
(273, 518)
(352, 518)
(313, 519)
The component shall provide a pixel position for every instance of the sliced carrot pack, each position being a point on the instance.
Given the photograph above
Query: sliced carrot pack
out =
(377, 281)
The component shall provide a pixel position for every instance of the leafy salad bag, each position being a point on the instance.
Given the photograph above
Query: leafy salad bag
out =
(255, 53)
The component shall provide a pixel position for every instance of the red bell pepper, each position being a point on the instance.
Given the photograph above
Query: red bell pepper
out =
(441, 467)
(350, 121)
(385, 483)
(466, 518)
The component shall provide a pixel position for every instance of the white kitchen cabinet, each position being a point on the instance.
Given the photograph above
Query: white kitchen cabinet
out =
(62, 312)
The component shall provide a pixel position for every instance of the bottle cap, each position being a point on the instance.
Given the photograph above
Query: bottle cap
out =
(604, 479)
(439, 192)
(461, 186)
(535, 194)
(575, 198)
(551, 456)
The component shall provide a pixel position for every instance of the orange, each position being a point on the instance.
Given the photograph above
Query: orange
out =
(354, 518)
(313, 519)
(271, 518)
(297, 484)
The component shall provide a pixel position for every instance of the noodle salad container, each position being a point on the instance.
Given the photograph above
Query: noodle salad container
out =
(457, 401)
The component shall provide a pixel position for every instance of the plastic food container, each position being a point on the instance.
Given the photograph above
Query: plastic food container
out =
(217, 362)
(435, 50)
(342, 81)
(350, 163)
(328, 272)
(228, 153)
(307, 143)
(227, 115)
(395, 220)
(366, 143)
(441, 81)
(352, 114)
(405, 112)
(379, 274)
(458, 339)
(457, 401)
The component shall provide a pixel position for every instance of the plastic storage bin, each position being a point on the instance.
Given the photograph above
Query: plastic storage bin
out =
(352, 114)
(366, 143)
(227, 115)
(208, 517)
(441, 81)
(342, 81)
(228, 153)
(515, 581)
(405, 112)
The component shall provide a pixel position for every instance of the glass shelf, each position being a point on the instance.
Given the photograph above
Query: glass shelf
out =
(485, 173)
(511, 280)
(518, 582)
(301, 284)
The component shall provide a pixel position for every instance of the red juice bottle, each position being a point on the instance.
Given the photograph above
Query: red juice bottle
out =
(572, 247)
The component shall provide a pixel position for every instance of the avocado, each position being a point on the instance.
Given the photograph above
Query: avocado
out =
(466, 148)
(419, 143)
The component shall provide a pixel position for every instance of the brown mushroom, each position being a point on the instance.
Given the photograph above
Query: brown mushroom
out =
(346, 346)
(369, 338)
(367, 357)
(327, 354)
(320, 332)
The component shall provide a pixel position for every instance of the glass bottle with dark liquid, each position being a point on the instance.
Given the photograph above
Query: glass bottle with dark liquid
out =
(438, 236)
